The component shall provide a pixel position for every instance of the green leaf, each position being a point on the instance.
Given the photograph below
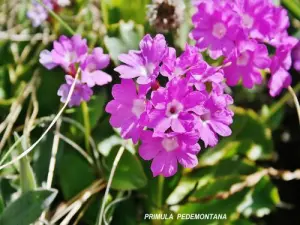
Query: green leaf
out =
(95, 108)
(129, 174)
(257, 136)
(261, 200)
(275, 119)
(74, 172)
(115, 10)
(27, 177)
(123, 37)
(27, 208)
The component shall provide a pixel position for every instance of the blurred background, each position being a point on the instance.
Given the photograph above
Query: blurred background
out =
(253, 176)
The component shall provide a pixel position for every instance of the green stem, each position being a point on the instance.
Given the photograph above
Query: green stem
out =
(58, 18)
(293, 7)
(274, 108)
(87, 126)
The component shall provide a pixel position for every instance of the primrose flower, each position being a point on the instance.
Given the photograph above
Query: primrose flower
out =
(171, 110)
(167, 151)
(128, 109)
(144, 64)
(72, 55)
(38, 13)
(216, 28)
(82, 92)
(250, 58)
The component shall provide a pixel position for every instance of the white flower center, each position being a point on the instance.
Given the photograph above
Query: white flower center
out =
(174, 108)
(170, 144)
(147, 70)
(243, 59)
(247, 21)
(70, 56)
(219, 30)
(138, 107)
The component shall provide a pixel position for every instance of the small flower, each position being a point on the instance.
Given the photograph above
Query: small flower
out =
(296, 56)
(256, 17)
(144, 64)
(81, 92)
(213, 117)
(91, 68)
(38, 13)
(72, 55)
(128, 109)
(167, 151)
(188, 60)
(171, 106)
(69, 51)
(216, 28)
(166, 15)
(250, 58)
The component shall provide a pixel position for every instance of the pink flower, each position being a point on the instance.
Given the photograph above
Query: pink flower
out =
(249, 59)
(91, 68)
(171, 107)
(144, 64)
(69, 51)
(213, 117)
(216, 28)
(256, 17)
(167, 151)
(177, 66)
(281, 63)
(128, 109)
(81, 92)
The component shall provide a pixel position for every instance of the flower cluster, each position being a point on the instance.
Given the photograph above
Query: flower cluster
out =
(72, 55)
(240, 31)
(169, 103)
(38, 13)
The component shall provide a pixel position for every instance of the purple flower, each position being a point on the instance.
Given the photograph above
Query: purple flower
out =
(91, 69)
(207, 81)
(81, 92)
(171, 106)
(216, 28)
(37, 13)
(128, 109)
(167, 151)
(246, 63)
(296, 56)
(69, 51)
(46, 59)
(256, 17)
(281, 63)
(144, 64)
(213, 117)
(189, 59)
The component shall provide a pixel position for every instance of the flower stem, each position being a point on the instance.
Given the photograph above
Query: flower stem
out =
(87, 126)
(58, 18)
(161, 180)
(295, 101)
(113, 170)
(274, 108)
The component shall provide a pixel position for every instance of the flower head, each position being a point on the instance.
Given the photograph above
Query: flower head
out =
(81, 92)
(144, 64)
(92, 66)
(296, 56)
(38, 13)
(128, 109)
(246, 63)
(169, 150)
(72, 55)
(216, 28)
